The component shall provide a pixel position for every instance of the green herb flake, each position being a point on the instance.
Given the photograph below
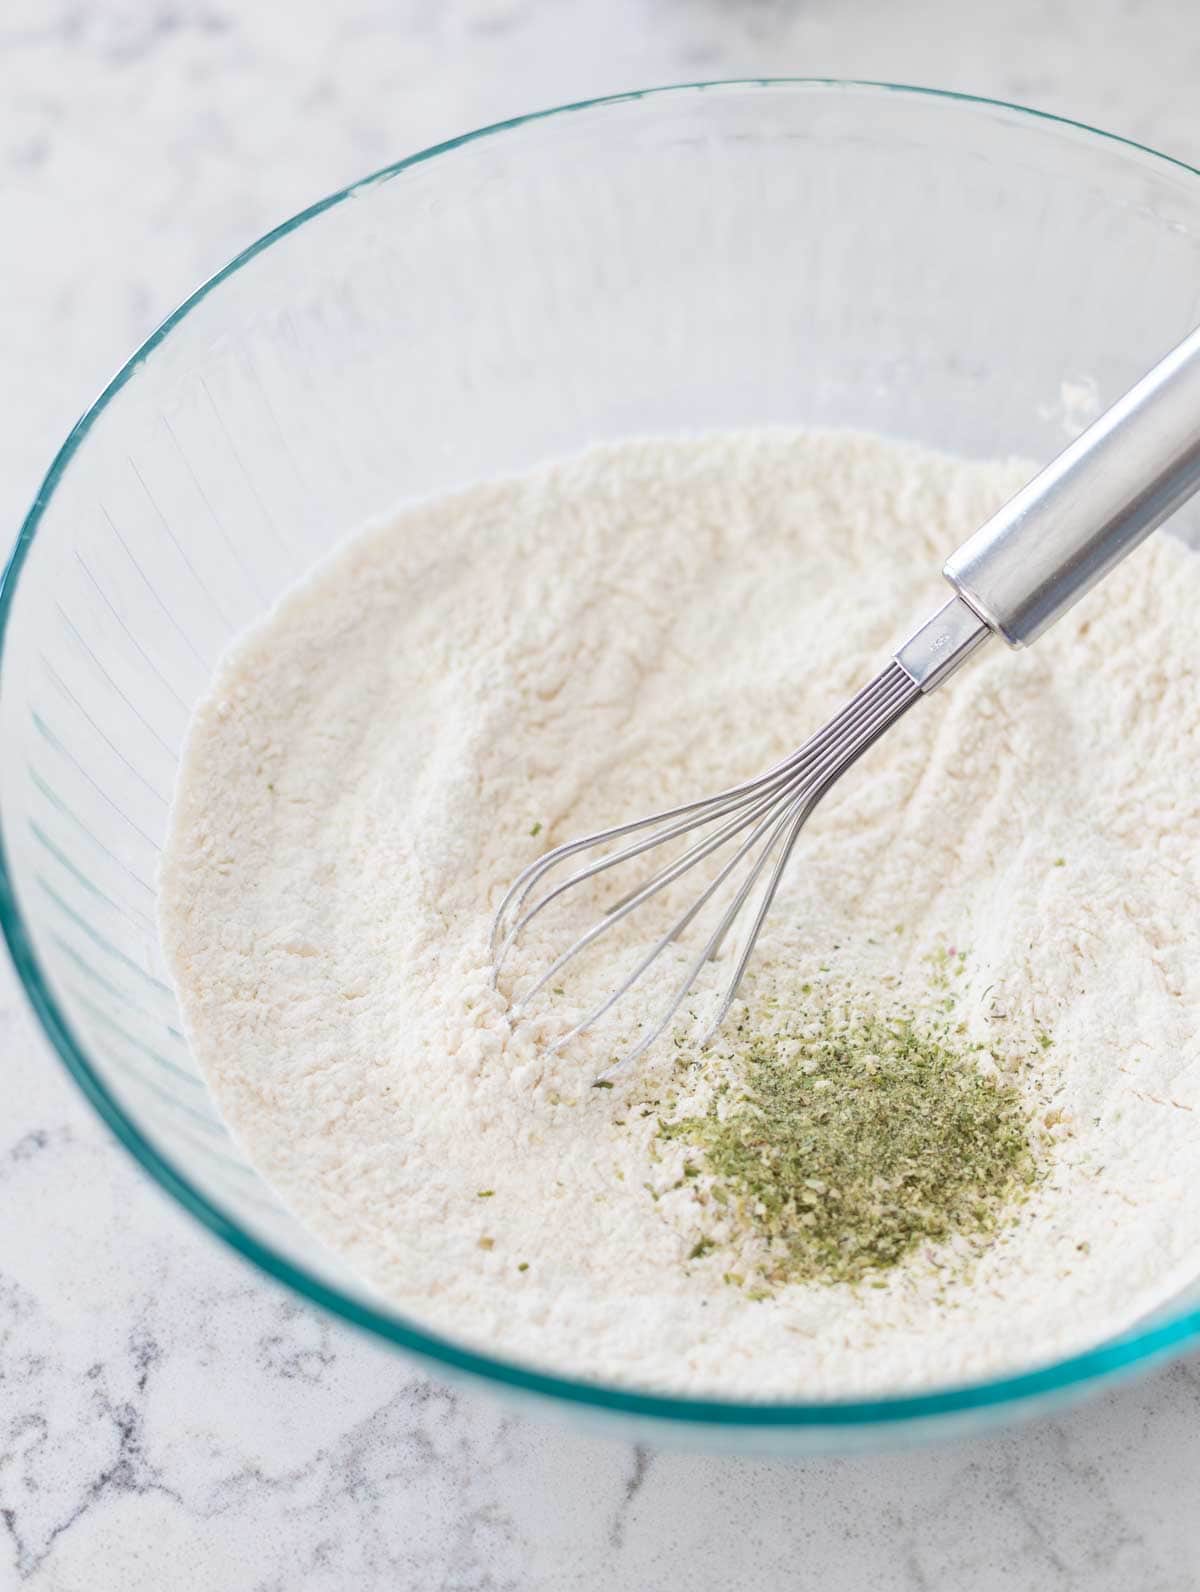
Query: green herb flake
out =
(851, 1138)
(485, 1193)
(703, 1246)
(536, 829)
(524, 1266)
(602, 1083)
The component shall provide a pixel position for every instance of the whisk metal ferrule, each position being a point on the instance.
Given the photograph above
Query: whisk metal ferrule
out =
(934, 651)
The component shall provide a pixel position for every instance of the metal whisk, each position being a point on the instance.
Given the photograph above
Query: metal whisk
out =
(1014, 577)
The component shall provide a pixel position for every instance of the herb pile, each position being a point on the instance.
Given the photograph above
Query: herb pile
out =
(851, 1140)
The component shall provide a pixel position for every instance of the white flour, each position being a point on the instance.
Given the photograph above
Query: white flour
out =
(604, 637)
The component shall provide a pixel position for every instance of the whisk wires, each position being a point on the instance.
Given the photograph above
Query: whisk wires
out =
(758, 821)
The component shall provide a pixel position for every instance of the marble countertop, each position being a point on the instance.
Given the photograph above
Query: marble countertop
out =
(169, 1421)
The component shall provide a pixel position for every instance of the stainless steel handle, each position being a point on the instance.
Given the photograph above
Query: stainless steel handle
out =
(1103, 495)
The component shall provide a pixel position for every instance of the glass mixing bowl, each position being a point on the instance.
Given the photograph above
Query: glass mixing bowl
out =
(961, 272)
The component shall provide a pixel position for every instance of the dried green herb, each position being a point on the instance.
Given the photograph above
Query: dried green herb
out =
(854, 1138)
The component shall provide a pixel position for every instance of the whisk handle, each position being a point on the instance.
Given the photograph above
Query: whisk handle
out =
(1101, 497)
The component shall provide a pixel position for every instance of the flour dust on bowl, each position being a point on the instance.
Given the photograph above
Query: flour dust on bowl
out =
(988, 933)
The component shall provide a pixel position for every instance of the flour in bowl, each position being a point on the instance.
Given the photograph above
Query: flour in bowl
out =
(494, 672)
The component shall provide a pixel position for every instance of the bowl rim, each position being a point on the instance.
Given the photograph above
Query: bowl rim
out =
(1137, 1347)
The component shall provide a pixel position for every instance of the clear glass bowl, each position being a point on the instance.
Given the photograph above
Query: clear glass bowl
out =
(965, 273)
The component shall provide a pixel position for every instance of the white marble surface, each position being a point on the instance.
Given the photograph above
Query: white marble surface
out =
(170, 1421)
